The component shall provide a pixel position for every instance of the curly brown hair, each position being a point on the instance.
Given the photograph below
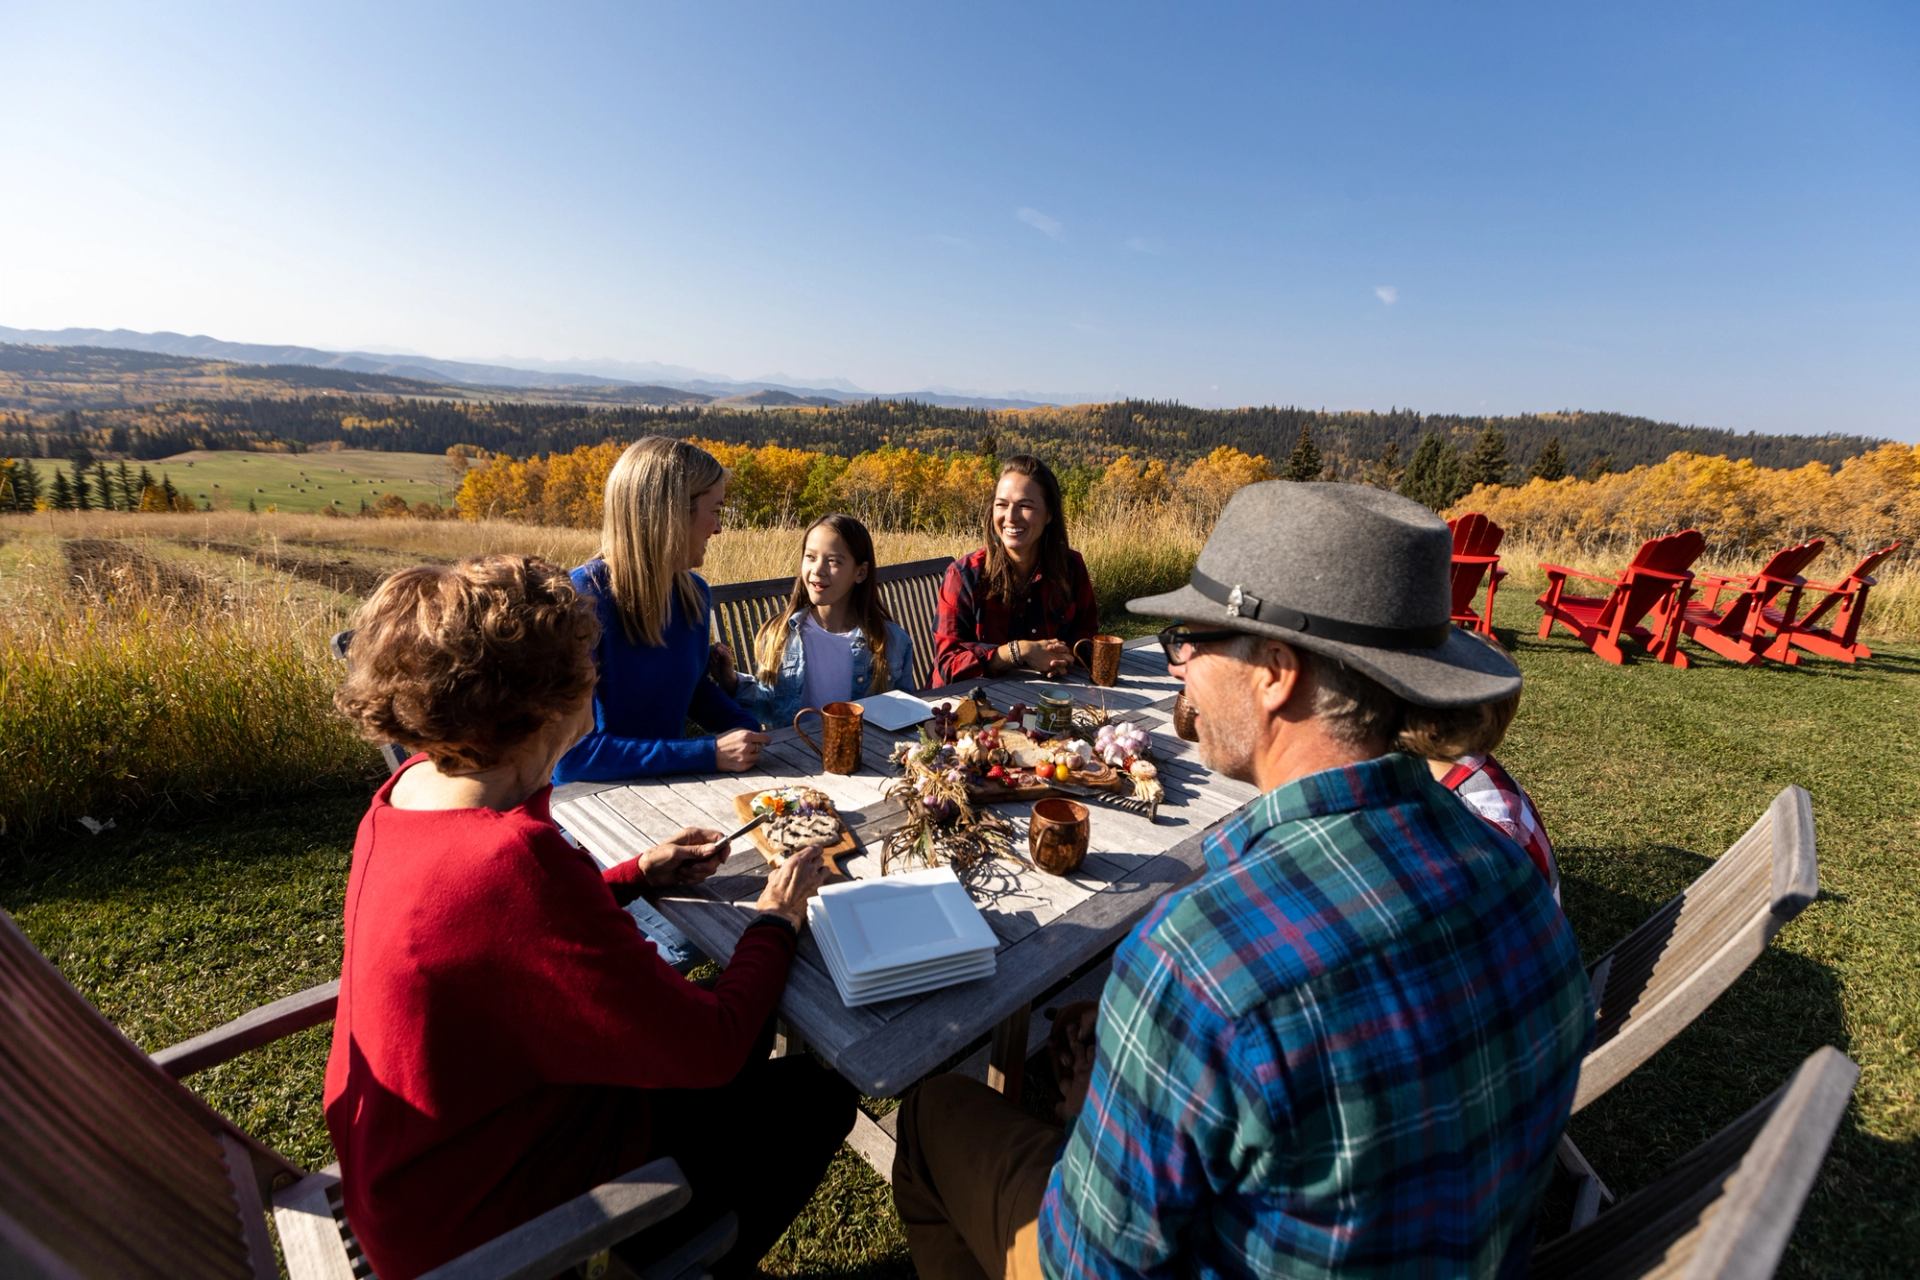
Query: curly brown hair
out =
(465, 661)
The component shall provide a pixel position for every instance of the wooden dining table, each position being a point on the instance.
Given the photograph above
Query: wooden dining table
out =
(1050, 928)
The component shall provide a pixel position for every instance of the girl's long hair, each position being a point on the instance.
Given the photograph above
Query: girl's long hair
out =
(646, 529)
(864, 600)
(1001, 584)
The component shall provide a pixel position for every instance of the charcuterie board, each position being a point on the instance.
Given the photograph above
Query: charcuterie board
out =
(772, 838)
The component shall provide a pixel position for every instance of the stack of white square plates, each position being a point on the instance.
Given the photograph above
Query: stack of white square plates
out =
(900, 936)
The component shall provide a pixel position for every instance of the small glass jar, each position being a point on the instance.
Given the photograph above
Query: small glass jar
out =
(1056, 713)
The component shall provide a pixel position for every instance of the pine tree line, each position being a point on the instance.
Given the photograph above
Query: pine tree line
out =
(89, 486)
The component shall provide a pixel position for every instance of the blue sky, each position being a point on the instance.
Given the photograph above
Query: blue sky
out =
(1712, 216)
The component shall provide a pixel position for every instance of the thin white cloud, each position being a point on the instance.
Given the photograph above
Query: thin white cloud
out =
(1387, 293)
(1141, 244)
(1038, 221)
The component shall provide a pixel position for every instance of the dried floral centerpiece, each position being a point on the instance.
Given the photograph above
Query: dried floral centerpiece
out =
(943, 827)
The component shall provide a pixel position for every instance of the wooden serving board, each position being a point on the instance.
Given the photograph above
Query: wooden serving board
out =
(840, 848)
(1034, 789)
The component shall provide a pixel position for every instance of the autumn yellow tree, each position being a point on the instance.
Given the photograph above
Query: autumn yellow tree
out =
(1208, 482)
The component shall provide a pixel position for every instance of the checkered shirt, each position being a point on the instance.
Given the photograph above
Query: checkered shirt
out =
(1349, 1049)
(971, 624)
(1490, 791)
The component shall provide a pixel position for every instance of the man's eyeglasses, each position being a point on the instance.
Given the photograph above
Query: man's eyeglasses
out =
(1178, 641)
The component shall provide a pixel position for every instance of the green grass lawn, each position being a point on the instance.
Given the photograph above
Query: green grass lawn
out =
(306, 482)
(1643, 773)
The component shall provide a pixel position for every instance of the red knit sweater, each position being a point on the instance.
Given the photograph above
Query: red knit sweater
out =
(500, 1021)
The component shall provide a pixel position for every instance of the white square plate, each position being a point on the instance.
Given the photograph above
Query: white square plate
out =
(894, 710)
(926, 970)
(908, 919)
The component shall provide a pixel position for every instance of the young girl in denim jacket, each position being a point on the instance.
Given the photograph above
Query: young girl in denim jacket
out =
(834, 640)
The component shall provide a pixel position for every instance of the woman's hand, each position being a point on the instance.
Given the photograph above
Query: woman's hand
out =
(1071, 1046)
(1048, 657)
(688, 856)
(738, 750)
(720, 667)
(790, 884)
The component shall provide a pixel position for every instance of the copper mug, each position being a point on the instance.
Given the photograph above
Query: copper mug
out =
(1104, 664)
(839, 748)
(1183, 717)
(1057, 835)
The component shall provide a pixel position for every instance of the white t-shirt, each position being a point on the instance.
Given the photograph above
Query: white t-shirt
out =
(829, 663)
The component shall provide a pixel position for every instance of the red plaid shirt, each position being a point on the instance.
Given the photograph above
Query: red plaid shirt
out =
(1490, 791)
(971, 624)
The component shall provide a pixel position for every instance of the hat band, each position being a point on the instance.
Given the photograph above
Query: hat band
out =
(1241, 603)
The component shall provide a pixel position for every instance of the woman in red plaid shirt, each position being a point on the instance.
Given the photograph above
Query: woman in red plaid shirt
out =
(1021, 601)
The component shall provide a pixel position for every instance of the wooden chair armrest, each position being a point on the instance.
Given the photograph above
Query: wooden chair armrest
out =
(573, 1232)
(1642, 571)
(1845, 584)
(1461, 559)
(1561, 571)
(250, 1030)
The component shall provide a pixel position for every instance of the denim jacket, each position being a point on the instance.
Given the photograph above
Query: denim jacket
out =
(776, 703)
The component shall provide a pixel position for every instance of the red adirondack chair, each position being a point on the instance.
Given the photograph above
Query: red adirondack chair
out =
(1654, 586)
(1476, 539)
(1846, 601)
(1739, 632)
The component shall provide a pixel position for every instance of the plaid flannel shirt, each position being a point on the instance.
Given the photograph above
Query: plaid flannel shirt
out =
(971, 624)
(1348, 1049)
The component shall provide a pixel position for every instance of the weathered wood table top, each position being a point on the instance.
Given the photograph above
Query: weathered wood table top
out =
(1048, 926)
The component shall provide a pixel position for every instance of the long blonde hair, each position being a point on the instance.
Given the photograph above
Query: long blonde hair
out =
(645, 531)
(864, 601)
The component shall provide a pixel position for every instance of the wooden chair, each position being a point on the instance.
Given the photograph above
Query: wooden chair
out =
(1656, 582)
(1476, 542)
(911, 592)
(1663, 975)
(1725, 1210)
(1739, 630)
(114, 1168)
(1846, 600)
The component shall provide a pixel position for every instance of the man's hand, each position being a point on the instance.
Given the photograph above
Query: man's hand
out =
(688, 856)
(1070, 1045)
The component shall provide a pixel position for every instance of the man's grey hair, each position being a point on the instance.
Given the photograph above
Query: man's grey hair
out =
(1354, 709)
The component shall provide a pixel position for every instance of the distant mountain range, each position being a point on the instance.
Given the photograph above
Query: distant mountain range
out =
(625, 382)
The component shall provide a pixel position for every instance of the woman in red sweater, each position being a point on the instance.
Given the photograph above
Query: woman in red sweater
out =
(506, 1038)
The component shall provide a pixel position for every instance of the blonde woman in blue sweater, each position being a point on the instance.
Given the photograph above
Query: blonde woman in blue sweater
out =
(662, 505)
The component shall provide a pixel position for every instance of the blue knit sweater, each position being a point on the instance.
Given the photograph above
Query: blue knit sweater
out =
(647, 693)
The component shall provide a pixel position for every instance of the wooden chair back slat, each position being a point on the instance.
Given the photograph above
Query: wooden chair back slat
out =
(1726, 1208)
(1475, 535)
(1475, 539)
(111, 1167)
(910, 591)
(1640, 592)
(1666, 972)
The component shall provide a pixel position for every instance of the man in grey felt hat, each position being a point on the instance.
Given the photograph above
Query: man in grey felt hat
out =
(1351, 1046)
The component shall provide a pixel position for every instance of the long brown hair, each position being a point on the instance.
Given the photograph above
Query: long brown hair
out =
(1053, 539)
(644, 531)
(863, 600)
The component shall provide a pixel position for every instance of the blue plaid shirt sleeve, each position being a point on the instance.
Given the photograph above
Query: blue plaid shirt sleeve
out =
(1159, 1112)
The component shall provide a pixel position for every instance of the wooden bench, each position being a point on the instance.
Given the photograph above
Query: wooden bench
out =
(911, 592)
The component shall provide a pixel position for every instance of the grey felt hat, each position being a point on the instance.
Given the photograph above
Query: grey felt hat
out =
(1355, 573)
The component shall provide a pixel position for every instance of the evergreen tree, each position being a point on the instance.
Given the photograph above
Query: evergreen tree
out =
(1304, 462)
(1600, 466)
(1487, 464)
(129, 496)
(1551, 464)
(146, 483)
(167, 490)
(1433, 475)
(82, 494)
(26, 484)
(62, 491)
(103, 495)
(252, 507)
(9, 492)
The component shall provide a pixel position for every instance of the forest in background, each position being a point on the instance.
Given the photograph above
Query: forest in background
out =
(145, 407)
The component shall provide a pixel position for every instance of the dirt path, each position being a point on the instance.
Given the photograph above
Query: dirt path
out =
(335, 573)
(101, 567)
